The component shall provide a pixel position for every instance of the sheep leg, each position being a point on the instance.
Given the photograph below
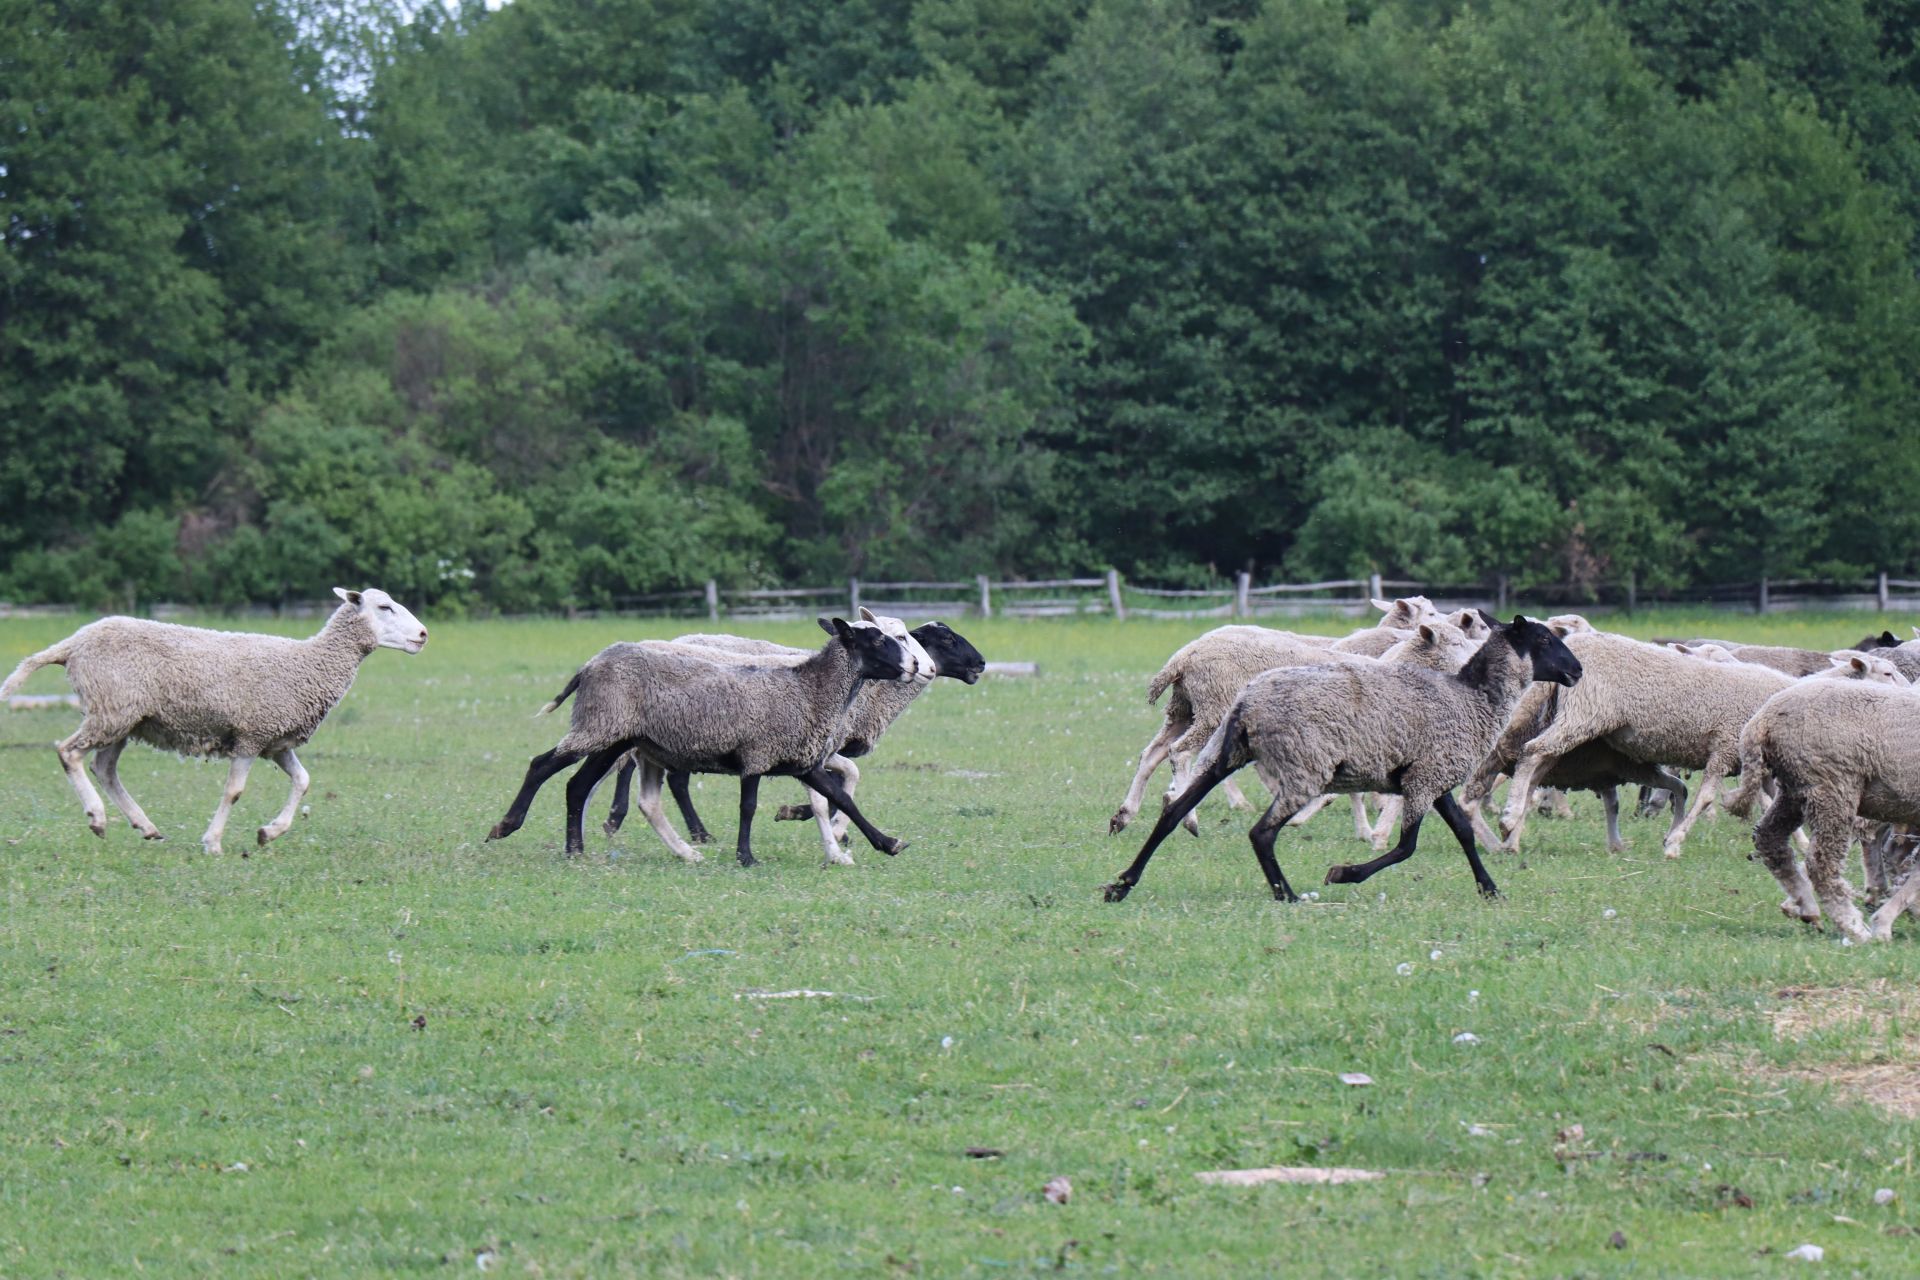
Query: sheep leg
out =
(1717, 766)
(1770, 842)
(1263, 834)
(1832, 827)
(1236, 799)
(749, 801)
(1170, 817)
(651, 776)
(106, 767)
(236, 783)
(580, 791)
(73, 757)
(1902, 897)
(1462, 827)
(297, 775)
(622, 795)
(1389, 814)
(1354, 873)
(823, 816)
(1610, 806)
(539, 769)
(697, 831)
(1171, 728)
(1307, 814)
(1362, 824)
(1481, 830)
(823, 780)
(1538, 757)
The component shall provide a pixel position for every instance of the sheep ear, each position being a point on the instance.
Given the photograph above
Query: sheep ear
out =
(866, 615)
(842, 629)
(1427, 633)
(826, 625)
(351, 597)
(1888, 640)
(1687, 649)
(1488, 618)
(1384, 606)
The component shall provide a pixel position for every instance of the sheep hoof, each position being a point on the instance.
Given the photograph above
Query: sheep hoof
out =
(894, 847)
(1489, 892)
(261, 837)
(155, 834)
(1116, 892)
(700, 835)
(747, 859)
(792, 813)
(1116, 824)
(500, 831)
(609, 827)
(98, 826)
(1342, 873)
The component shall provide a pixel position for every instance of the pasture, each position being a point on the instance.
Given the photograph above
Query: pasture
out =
(384, 1046)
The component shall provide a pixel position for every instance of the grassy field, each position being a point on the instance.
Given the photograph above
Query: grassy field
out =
(384, 1046)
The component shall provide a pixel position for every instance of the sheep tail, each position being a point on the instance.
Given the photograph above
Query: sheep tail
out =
(54, 657)
(1225, 750)
(1753, 771)
(563, 695)
(1167, 675)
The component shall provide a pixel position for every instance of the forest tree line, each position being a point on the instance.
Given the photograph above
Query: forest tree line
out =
(578, 299)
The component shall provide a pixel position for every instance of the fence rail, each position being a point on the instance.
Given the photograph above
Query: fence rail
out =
(1110, 595)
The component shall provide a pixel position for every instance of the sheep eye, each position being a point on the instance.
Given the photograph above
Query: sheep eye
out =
(386, 608)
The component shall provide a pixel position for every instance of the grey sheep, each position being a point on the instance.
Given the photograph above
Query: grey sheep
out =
(227, 694)
(694, 714)
(877, 706)
(1206, 675)
(1346, 727)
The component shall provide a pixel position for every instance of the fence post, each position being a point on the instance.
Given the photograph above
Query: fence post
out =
(1763, 595)
(1633, 591)
(1113, 595)
(1883, 591)
(1242, 582)
(853, 597)
(1373, 587)
(986, 599)
(713, 600)
(1500, 605)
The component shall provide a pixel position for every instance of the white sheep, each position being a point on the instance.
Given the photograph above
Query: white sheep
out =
(1834, 750)
(227, 694)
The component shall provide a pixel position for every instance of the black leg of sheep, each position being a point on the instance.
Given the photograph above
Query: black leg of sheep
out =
(683, 797)
(749, 801)
(542, 767)
(580, 790)
(1456, 819)
(827, 783)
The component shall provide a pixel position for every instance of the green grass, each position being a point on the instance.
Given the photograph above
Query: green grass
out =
(590, 1094)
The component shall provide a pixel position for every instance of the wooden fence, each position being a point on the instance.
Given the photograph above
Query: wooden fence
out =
(1110, 595)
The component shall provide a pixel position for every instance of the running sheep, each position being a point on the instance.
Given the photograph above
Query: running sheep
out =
(682, 712)
(1347, 727)
(225, 694)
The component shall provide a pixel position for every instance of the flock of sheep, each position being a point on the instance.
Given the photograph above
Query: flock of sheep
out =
(1411, 710)
(1425, 703)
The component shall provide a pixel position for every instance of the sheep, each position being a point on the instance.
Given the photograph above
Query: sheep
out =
(1885, 640)
(1206, 675)
(878, 706)
(1653, 705)
(224, 694)
(694, 714)
(1834, 749)
(1397, 618)
(1353, 727)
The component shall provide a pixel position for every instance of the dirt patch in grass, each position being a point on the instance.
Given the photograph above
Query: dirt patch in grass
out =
(1892, 1080)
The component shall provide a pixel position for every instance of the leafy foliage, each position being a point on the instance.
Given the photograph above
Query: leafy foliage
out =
(570, 302)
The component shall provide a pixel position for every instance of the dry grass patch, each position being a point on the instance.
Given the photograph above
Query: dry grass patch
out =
(1886, 1011)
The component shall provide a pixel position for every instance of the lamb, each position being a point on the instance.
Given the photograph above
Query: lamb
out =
(1835, 749)
(1351, 727)
(1653, 705)
(877, 707)
(1206, 675)
(694, 714)
(224, 694)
